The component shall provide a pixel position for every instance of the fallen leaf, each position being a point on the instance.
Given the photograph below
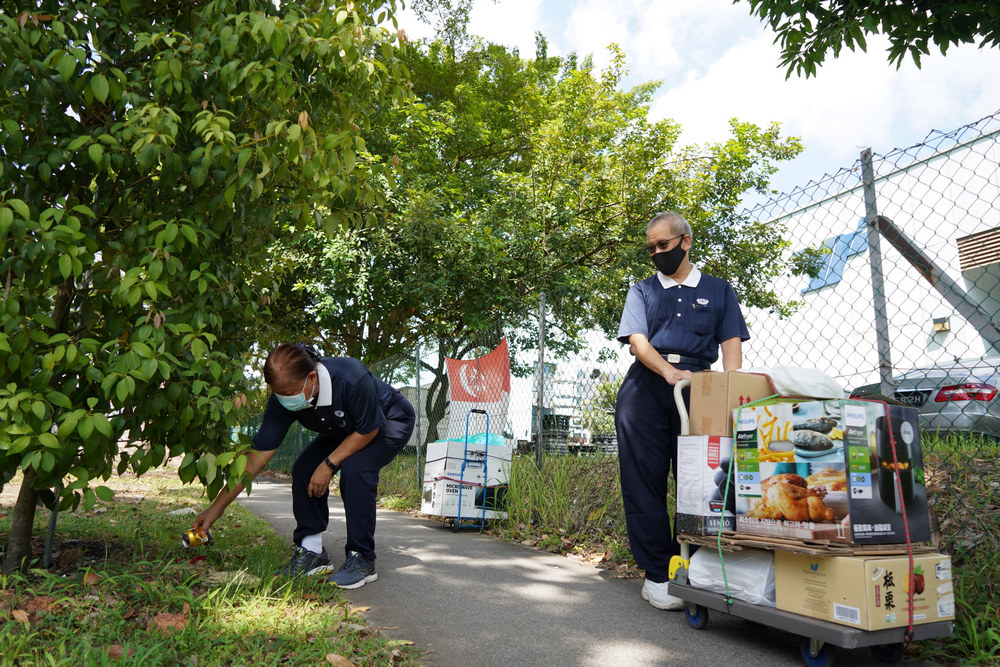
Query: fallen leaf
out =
(338, 660)
(221, 578)
(166, 622)
(359, 610)
(91, 579)
(128, 614)
(41, 603)
(117, 652)
(21, 615)
(399, 642)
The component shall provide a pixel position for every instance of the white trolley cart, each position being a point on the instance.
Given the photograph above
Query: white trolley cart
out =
(885, 645)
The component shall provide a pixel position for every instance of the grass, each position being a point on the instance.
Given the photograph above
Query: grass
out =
(122, 589)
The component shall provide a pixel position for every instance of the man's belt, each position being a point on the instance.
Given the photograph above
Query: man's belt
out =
(684, 359)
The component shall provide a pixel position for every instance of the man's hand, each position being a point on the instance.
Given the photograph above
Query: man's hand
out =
(319, 483)
(673, 375)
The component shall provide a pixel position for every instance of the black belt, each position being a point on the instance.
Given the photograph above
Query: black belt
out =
(684, 359)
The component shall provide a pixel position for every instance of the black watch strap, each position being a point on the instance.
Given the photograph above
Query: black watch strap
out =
(333, 466)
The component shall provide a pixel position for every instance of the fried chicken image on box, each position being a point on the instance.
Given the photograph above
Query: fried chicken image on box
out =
(788, 497)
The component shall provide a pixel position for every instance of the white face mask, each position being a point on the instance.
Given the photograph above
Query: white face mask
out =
(297, 401)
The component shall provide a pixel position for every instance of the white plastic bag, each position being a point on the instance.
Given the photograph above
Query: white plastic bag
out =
(750, 574)
(805, 382)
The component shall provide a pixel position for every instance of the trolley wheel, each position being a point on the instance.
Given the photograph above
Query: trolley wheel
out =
(888, 652)
(823, 658)
(698, 618)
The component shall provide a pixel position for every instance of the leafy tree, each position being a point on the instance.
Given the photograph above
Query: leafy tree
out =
(809, 30)
(148, 154)
(518, 177)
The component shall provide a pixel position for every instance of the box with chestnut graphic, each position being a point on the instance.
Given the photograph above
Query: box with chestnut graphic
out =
(867, 592)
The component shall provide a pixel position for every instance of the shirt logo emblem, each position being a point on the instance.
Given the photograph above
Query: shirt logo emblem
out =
(339, 413)
(702, 302)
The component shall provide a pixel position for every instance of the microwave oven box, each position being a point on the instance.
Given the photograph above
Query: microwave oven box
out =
(866, 592)
(703, 461)
(450, 498)
(714, 396)
(825, 470)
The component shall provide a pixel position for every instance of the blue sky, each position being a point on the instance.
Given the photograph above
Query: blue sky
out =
(716, 61)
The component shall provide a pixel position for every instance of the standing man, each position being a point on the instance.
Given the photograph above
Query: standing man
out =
(674, 322)
(361, 424)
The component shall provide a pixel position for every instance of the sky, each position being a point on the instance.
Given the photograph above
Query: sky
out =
(716, 61)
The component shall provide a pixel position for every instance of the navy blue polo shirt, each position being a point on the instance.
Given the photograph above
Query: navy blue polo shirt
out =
(350, 399)
(690, 318)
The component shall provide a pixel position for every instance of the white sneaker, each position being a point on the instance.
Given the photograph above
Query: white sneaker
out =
(656, 595)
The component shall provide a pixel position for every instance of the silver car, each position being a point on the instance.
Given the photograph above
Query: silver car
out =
(958, 397)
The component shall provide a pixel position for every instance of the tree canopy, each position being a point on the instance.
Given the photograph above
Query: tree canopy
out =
(148, 155)
(811, 30)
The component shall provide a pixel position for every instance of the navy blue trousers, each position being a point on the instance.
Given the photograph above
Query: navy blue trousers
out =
(647, 424)
(358, 480)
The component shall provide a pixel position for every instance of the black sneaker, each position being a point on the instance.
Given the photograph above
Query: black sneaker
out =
(305, 562)
(354, 573)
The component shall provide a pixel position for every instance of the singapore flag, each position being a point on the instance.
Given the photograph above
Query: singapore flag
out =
(482, 384)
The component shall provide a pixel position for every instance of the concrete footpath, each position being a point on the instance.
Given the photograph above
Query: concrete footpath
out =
(468, 599)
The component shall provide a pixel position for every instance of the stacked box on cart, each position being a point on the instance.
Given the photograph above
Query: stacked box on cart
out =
(441, 497)
(866, 592)
(825, 470)
(703, 463)
(477, 463)
(703, 458)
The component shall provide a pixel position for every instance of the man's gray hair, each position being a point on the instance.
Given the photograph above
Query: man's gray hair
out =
(678, 225)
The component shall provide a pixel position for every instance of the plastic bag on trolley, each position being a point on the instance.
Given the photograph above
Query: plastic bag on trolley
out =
(750, 574)
(805, 382)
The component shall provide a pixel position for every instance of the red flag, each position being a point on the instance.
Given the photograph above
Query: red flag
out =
(481, 380)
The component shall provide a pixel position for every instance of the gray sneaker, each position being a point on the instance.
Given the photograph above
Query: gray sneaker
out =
(306, 563)
(354, 573)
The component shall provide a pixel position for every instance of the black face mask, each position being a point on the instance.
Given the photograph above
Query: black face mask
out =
(669, 261)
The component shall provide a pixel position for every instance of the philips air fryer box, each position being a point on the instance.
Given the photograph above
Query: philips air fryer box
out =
(839, 470)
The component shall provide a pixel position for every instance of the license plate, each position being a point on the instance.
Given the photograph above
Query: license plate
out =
(912, 398)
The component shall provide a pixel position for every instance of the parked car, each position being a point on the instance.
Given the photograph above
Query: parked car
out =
(959, 397)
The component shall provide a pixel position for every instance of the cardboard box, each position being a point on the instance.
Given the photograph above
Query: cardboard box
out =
(444, 497)
(824, 470)
(476, 464)
(703, 461)
(867, 592)
(715, 395)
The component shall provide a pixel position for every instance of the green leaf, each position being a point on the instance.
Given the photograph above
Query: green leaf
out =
(66, 66)
(99, 87)
(48, 441)
(66, 266)
(105, 494)
(86, 427)
(96, 152)
(38, 408)
(89, 499)
(102, 424)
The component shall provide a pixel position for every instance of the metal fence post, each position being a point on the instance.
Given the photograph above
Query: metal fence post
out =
(420, 467)
(878, 279)
(539, 402)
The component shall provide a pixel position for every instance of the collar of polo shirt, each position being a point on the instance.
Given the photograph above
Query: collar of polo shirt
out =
(325, 385)
(692, 279)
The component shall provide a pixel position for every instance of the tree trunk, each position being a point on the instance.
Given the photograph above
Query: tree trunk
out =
(18, 553)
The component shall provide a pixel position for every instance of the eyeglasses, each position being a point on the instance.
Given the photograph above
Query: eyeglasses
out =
(662, 246)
